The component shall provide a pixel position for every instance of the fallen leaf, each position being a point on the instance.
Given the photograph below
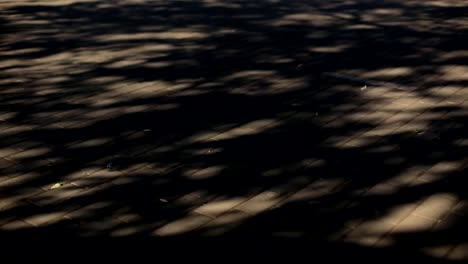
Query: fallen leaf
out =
(55, 186)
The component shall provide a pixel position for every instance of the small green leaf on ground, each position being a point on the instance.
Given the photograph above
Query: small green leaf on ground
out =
(55, 186)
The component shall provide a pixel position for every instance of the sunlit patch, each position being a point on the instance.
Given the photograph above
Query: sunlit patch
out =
(6, 117)
(311, 163)
(140, 88)
(224, 223)
(178, 86)
(449, 92)
(92, 143)
(17, 129)
(206, 173)
(263, 82)
(439, 251)
(438, 3)
(369, 233)
(413, 223)
(463, 142)
(15, 201)
(203, 136)
(104, 79)
(459, 252)
(182, 225)
(454, 73)
(16, 225)
(317, 189)
(105, 101)
(381, 189)
(157, 65)
(219, 206)
(34, 153)
(330, 49)
(345, 15)
(126, 63)
(52, 196)
(23, 51)
(452, 55)
(15, 181)
(358, 142)
(251, 73)
(387, 11)
(252, 128)
(89, 211)
(405, 218)
(316, 19)
(336, 141)
(174, 34)
(128, 230)
(49, 91)
(124, 231)
(437, 173)
(220, 3)
(127, 214)
(74, 124)
(383, 15)
(227, 31)
(261, 202)
(361, 27)
(47, 218)
(389, 72)
(446, 167)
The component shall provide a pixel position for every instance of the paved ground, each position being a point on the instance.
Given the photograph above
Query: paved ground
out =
(339, 123)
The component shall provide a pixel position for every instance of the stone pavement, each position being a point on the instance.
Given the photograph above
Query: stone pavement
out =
(339, 122)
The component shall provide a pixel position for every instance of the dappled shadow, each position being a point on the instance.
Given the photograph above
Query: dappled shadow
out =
(339, 124)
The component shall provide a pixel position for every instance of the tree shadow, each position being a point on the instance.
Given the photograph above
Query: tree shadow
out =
(215, 121)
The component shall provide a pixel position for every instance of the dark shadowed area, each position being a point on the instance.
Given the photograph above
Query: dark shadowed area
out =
(334, 128)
